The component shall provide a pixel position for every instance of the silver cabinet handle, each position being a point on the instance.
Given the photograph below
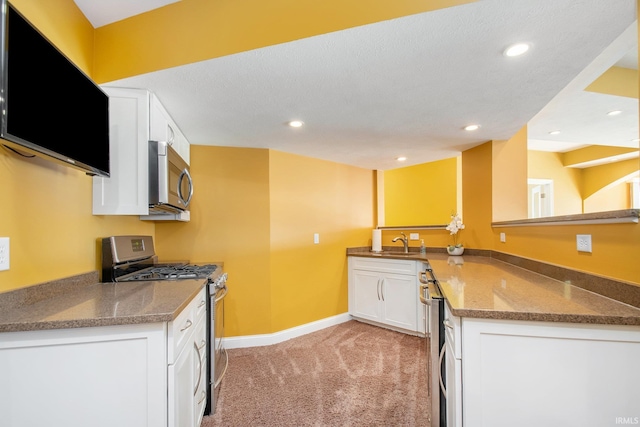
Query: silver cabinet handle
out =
(382, 288)
(378, 289)
(195, 389)
(187, 325)
(203, 302)
(204, 396)
(172, 134)
(442, 387)
(447, 323)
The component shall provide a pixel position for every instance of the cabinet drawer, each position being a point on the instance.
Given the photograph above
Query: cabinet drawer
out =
(184, 326)
(398, 266)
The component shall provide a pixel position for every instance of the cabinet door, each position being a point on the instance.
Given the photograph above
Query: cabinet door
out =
(182, 377)
(163, 128)
(366, 295)
(453, 382)
(399, 297)
(126, 191)
(103, 376)
(200, 395)
(581, 374)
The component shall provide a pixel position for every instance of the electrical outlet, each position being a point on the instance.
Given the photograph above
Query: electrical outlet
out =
(316, 238)
(583, 242)
(4, 253)
(414, 236)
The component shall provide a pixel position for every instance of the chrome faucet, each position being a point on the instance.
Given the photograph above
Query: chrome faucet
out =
(405, 241)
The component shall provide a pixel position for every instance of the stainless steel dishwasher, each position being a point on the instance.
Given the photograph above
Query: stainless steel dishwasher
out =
(431, 296)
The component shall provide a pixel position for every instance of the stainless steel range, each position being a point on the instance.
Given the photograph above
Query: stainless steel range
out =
(133, 258)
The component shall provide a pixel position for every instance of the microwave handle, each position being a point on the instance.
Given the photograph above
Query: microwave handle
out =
(183, 175)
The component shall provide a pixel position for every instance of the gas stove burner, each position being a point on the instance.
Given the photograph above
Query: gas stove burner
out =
(185, 271)
(168, 272)
(133, 258)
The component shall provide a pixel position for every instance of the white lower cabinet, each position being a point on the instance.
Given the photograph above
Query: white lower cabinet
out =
(384, 291)
(187, 373)
(105, 376)
(543, 374)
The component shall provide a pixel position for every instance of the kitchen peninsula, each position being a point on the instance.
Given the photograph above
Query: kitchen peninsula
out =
(104, 354)
(525, 349)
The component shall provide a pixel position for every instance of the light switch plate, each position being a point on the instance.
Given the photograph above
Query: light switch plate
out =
(316, 238)
(4, 253)
(414, 236)
(503, 237)
(583, 242)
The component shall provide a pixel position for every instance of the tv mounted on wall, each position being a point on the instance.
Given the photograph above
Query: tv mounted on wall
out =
(49, 107)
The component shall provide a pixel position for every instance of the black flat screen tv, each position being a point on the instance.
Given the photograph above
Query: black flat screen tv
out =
(49, 107)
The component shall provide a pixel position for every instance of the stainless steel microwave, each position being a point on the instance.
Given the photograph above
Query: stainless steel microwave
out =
(170, 184)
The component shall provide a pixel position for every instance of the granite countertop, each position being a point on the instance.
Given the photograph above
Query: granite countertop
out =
(81, 301)
(483, 287)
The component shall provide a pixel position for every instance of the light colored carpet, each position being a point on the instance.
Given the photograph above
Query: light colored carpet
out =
(352, 374)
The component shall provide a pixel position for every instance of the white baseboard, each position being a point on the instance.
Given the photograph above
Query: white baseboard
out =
(287, 334)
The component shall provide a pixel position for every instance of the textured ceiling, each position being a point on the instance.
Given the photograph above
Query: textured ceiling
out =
(407, 87)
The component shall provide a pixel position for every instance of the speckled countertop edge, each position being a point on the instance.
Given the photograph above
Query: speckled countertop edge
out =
(81, 301)
(631, 314)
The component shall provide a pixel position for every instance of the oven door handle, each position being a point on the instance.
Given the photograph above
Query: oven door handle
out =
(224, 294)
(442, 386)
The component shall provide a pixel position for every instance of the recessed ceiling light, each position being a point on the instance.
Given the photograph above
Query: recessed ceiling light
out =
(295, 123)
(614, 113)
(471, 127)
(401, 158)
(554, 132)
(516, 49)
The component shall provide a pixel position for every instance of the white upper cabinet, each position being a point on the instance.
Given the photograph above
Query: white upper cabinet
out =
(163, 128)
(135, 117)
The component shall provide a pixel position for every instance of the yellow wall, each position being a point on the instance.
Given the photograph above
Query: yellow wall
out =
(47, 207)
(308, 196)
(614, 197)
(477, 197)
(229, 223)
(616, 81)
(64, 25)
(194, 30)
(567, 182)
(510, 177)
(424, 194)
(596, 178)
(257, 210)
(615, 248)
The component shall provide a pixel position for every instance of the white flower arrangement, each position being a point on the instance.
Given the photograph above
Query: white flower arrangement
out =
(454, 227)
